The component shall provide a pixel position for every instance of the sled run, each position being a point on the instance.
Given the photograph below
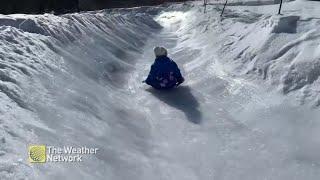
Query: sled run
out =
(248, 109)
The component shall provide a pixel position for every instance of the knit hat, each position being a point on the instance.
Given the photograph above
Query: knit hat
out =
(160, 51)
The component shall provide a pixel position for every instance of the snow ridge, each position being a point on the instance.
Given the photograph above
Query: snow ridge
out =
(254, 43)
(37, 51)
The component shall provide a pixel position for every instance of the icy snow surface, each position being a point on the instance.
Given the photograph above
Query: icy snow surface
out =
(248, 108)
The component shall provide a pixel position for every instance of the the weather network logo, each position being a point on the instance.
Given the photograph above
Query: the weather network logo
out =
(55, 154)
(37, 154)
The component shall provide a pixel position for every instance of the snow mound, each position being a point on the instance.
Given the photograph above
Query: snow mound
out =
(254, 43)
(37, 52)
(246, 3)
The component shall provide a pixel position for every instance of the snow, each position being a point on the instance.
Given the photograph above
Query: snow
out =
(248, 108)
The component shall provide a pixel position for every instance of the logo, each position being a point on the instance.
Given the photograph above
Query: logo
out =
(37, 154)
(55, 154)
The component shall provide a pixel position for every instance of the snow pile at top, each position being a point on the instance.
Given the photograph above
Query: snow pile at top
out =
(253, 42)
(245, 3)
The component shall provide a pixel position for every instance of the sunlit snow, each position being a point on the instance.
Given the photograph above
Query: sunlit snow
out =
(248, 108)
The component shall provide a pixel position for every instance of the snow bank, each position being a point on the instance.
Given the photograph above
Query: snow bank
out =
(245, 3)
(36, 53)
(254, 43)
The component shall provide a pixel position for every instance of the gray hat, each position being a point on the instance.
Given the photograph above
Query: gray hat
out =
(160, 51)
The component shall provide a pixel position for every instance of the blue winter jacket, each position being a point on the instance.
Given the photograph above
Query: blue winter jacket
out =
(164, 74)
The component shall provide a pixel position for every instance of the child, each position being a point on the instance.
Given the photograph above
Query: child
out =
(164, 73)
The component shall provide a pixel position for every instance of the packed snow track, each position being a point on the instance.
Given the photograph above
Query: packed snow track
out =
(248, 109)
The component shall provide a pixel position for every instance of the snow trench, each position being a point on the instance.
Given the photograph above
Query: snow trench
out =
(75, 80)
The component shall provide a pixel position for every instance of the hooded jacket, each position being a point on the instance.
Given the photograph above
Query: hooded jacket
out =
(164, 74)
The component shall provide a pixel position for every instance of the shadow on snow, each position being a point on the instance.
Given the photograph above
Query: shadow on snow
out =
(180, 98)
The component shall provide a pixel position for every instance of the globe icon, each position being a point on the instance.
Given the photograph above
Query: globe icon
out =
(37, 153)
